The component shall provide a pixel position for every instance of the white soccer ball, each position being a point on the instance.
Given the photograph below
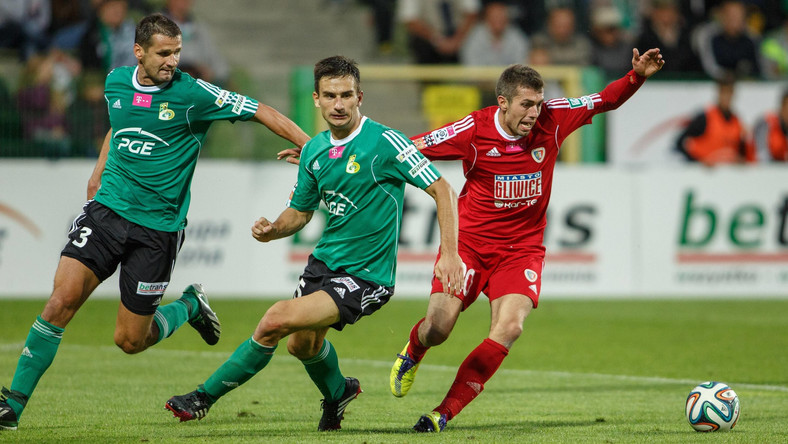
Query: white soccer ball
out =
(712, 406)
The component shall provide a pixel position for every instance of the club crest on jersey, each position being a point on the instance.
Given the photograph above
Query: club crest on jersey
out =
(530, 275)
(165, 113)
(352, 166)
(538, 154)
(336, 152)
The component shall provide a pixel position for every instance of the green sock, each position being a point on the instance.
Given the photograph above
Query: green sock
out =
(39, 352)
(248, 359)
(171, 316)
(323, 368)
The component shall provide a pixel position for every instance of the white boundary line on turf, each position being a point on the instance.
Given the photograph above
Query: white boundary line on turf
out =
(444, 368)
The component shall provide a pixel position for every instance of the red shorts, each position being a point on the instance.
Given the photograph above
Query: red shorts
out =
(498, 270)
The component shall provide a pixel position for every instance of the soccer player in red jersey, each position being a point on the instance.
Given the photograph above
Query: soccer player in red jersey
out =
(508, 154)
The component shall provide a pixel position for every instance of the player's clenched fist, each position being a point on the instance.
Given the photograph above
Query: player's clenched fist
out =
(261, 230)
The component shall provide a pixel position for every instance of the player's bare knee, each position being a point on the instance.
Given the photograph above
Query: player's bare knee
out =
(436, 335)
(130, 346)
(302, 350)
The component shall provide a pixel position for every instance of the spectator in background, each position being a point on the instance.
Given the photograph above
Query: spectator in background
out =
(437, 28)
(69, 22)
(383, 22)
(774, 53)
(716, 135)
(770, 138)
(495, 41)
(108, 41)
(45, 92)
(726, 45)
(24, 25)
(87, 120)
(200, 58)
(665, 28)
(564, 45)
(611, 43)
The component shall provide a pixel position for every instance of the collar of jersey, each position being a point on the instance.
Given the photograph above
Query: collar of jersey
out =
(144, 88)
(347, 139)
(500, 129)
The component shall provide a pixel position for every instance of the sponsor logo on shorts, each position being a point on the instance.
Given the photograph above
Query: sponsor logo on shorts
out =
(151, 288)
(531, 275)
(340, 291)
(347, 282)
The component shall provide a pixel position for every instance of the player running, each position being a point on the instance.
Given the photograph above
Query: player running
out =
(508, 154)
(359, 169)
(136, 213)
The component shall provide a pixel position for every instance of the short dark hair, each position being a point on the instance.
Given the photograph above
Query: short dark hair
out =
(155, 24)
(337, 66)
(518, 76)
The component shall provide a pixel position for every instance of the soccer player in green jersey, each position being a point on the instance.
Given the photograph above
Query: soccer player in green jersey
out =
(359, 169)
(136, 213)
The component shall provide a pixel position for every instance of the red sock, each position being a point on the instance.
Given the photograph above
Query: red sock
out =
(415, 349)
(477, 369)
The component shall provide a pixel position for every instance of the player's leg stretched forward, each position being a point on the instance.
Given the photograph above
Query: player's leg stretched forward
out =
(73, 284)
(305, 320)
(507, 316)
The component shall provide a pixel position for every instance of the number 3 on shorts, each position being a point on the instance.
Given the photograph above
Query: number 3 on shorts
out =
(83, 237)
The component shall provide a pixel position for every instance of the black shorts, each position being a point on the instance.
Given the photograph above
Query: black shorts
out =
(102, 240)
(354, 296)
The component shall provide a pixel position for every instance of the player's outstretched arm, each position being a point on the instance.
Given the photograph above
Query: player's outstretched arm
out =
(94, 183)
(648, 63)
(289, 222)
(280, 125)
(449, 269)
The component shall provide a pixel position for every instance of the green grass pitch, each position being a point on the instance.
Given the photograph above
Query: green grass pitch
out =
(603, 371)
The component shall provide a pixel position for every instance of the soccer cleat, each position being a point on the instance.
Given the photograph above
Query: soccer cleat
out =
(206, 322)
(403, 373)
(8, 418)
(334, 412)
(432, 422)
(194, 405)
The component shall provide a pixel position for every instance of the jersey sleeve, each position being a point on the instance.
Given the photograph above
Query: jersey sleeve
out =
(450, 142)
(306, 194)
(569, 114)
(215, 103)
(404, 162)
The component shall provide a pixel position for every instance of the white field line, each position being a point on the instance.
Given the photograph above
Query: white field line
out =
(7, 347)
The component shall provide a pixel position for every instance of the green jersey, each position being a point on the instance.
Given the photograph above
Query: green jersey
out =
(157, 133)
(361, 179)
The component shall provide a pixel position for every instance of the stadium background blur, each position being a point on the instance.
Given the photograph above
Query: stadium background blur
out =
(626, 212)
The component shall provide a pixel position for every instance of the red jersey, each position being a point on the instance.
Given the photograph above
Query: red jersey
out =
(508, 179)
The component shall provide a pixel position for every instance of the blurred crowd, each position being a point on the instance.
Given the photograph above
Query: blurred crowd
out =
(68, 46)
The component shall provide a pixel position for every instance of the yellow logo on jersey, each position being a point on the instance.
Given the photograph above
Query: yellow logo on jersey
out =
(165, 113)
(352, 167)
